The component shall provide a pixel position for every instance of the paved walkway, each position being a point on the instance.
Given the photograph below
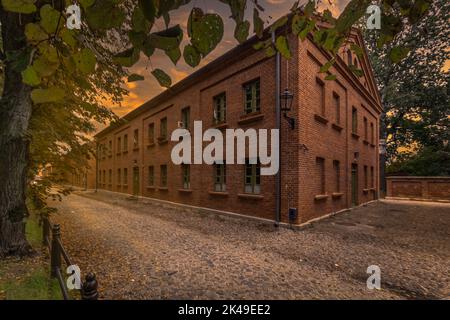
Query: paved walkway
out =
(150, 251)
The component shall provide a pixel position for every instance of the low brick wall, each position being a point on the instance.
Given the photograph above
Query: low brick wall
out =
(419, 188)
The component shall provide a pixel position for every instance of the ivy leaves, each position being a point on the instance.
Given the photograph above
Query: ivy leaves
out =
(19, 6)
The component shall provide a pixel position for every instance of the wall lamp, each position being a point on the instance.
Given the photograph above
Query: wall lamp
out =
(287, 99)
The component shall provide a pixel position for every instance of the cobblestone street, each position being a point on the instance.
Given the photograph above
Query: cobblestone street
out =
(144, 250)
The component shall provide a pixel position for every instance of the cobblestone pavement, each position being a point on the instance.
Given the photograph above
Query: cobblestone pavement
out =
(144, 250)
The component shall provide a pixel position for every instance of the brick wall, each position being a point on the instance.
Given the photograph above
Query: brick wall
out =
(317, 133)
(419, 188)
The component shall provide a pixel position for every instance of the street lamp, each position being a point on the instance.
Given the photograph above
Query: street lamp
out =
(286, 105)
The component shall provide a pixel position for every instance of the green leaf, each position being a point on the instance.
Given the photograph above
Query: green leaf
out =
(174, 55)
(258, 24)
(127, 58)
(357, 50)
(135, 77)
(68, 36)
(282, 46)
(191, 56)
(206, 31)
(148, 49)
(105, 14)
(241, 32)
(162, 77)
(85, 61)
(53, 94)
(34, 33)
(309, 8)
(139, 23)
(137, 39)
(30, 77)
(398, 53)
(49, 52)
(148, 9)
(330, 77)
(86, 3)
(168, 39)
(326, 66)
(49, 19)
(44, 67)
(19, 6)
(279, 23)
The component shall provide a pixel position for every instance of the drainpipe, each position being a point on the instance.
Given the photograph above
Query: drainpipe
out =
(278, 126)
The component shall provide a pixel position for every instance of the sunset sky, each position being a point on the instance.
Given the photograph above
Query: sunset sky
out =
(143, 91)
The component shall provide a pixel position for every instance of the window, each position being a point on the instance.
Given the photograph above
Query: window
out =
(99, 176)
(337, 107)
(372, 133)
(185, 117)
(366, 178)
(321, 91)
(125, 143)
(220, 177)
(125, 176)
(220, 108)
(252, 177)
(110, 148)
(151, 133)
(119, 144)
(354, 120)
(320, 164)
(163, 182)
(136, 139)
(151, 176)
(366, 129)
(372, 177)
(119, 176)
(337, 172)
(104, 176)
(110, 176)
(186, 171)
(163, 129)
(252, 98)
(349, 57)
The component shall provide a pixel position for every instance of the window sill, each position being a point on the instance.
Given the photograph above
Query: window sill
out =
(355, 136)
(110, 156)
(150, 145)
(250, 196)
(373, 189)
(372, 145)
(163, 189)
(221, 125)
(337, 127)
(185, 190)
(251, 117)
(337, 195)
(366, 142)
(321, 197)
(151, 188)
(118, 153)
(218, 193)
(125, 152)
(366, 190)
(125, 186)
(162, 141)
(135, 149)
(320, 119)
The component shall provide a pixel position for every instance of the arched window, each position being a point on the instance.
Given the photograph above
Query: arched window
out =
(349, 57)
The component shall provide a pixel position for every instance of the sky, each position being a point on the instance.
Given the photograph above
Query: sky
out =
(142, 91)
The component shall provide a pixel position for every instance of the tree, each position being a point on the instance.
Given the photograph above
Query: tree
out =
(56, 78)
(413, 85)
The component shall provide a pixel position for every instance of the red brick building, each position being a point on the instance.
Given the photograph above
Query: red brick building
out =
(329, 161)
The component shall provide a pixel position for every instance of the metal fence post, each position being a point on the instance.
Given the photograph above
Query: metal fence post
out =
(45, 231)
(55, 255)
(89, 288)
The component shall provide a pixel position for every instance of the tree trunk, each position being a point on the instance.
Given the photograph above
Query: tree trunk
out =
(15, 113)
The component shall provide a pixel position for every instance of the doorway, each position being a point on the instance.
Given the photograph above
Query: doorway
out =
(354, 185)
(136, 182)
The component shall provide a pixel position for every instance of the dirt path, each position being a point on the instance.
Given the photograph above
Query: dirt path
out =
(148, 251)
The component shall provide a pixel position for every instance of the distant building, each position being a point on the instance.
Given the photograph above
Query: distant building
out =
(329, 161)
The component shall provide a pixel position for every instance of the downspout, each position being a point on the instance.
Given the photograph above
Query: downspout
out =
(278, 126)
(96, 167)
